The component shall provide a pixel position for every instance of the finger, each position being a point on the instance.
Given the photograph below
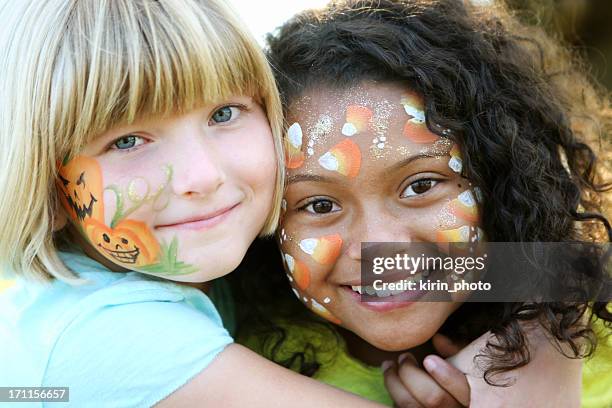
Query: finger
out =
(396, 388)
(445, 346)
(423, 387)
(448, 377)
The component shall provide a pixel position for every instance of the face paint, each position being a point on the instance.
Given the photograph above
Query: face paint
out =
(192, 218)
(294, 155)
(345, 158)
(139, 193)
(323, 312)
(358, 119)
(299, 271)
(323, 250)
(127, 243)
(464, 207)
(80, 187)
(465, 233)
(455, 162)
(415, 128)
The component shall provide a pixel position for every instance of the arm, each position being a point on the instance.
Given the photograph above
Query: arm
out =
(239, 377)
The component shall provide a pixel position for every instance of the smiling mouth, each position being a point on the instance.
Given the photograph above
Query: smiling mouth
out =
(206, 222)
(81, 210)
(128, 257)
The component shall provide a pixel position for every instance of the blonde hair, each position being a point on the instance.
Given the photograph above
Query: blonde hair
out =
(73, 68)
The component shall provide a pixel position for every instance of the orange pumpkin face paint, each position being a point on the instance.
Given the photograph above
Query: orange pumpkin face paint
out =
(345, 158)
(80, 188)
(130, 243)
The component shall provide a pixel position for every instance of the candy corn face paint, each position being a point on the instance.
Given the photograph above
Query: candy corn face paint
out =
(358, 119)
(377, 175)
(344, 158)
(181, 197)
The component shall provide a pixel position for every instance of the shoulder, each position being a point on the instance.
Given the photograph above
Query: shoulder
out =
(119, 339)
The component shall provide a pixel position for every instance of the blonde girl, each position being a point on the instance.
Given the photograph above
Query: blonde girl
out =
(140, 142)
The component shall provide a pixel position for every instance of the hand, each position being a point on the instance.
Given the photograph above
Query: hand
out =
(440, 385)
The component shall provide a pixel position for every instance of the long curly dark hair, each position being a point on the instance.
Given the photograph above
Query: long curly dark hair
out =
(521, 110)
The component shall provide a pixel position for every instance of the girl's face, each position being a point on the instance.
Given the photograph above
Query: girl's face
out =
(181, 197)
(363, 167)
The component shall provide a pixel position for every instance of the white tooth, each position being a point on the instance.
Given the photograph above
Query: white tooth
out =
(370, 290)
(356, 288)
(383, 293)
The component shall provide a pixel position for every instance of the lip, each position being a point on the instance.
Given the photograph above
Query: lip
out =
(201, 222)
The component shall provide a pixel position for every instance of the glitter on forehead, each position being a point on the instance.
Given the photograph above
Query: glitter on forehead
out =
(319, 132)
(440, 147)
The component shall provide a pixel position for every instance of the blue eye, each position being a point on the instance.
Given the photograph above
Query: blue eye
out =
(127, 142)
(222, 115)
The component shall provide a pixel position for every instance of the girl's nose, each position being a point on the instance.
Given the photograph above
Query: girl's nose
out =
(376, 229)
(198, 169)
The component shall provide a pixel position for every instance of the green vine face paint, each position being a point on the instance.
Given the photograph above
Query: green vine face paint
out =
(180, 197)
(377, 174)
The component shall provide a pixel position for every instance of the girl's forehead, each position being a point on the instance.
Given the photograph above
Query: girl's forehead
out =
(366, 126)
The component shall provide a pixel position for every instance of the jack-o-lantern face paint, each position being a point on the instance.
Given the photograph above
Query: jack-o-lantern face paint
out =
(181, 197)
(404, 190)
(80, 187)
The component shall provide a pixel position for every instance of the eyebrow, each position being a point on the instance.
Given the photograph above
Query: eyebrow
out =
(297, 178)
(410, 159)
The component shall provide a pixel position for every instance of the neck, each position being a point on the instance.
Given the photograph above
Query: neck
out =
(370, 355)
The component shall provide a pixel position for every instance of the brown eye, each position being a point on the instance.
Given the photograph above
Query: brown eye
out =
(321, 206)
(419, 187)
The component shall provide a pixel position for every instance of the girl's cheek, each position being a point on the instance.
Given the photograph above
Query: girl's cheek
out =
(308, 260)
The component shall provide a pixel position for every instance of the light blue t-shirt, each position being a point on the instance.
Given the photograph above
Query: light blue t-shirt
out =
(122, 340)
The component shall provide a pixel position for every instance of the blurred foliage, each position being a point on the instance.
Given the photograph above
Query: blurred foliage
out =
(584, 25)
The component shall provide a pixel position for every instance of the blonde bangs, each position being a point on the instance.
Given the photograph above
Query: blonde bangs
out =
(155, 58)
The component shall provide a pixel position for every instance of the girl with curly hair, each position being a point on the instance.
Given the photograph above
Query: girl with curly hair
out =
(428, 121)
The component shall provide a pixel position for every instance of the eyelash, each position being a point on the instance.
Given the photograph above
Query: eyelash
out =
(434, 181)
(241, 108)
(112, 146)
(315, 200)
